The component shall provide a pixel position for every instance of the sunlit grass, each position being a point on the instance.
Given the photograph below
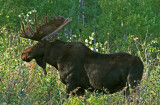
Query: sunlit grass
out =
(24, 83)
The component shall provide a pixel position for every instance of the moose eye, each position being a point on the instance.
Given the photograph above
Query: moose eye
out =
(29, 53)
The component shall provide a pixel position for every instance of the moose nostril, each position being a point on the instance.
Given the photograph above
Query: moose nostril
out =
(23, 58)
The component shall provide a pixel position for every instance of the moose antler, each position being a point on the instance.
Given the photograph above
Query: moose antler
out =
(55, 33)
(45, 31)
(28, 32)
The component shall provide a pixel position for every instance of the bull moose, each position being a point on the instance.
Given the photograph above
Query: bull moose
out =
(79, 67)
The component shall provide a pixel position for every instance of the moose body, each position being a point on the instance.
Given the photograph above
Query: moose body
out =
(79, 67)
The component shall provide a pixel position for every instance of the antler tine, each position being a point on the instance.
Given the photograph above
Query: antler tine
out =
(35, 19)
(54, 17)
(58, 29)
(44, 18)
(22, 25)
(49, 18)
(28, 24)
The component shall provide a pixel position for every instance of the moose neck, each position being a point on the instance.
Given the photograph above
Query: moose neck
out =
(53, 52)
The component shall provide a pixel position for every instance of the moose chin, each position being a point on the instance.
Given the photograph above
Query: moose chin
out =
(80, 68)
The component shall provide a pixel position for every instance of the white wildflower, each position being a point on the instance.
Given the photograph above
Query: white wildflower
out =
(92, 34)
(96, 44)
(135, 39)
(20, 15)
(100, 44)
(92, 48)
(86, 40)
(34, 10)
(91, 38)
(105, 42)
(90, 42)
(154, 41)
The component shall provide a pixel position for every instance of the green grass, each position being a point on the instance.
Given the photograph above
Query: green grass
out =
(24, 83)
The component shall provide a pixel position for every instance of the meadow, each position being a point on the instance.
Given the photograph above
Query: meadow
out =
(105, 26)
(24, 83)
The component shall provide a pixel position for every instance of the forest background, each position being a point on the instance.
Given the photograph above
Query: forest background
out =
(105, 26)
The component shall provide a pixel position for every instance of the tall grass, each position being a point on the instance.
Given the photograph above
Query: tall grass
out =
(24, 83)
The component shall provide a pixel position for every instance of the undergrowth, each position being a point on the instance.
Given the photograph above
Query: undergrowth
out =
(24, 83)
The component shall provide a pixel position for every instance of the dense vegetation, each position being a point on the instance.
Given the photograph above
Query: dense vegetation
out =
(106, 26)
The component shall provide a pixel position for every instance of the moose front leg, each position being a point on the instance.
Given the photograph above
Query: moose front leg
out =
(42, 63)
(73, 90)
(44, 71)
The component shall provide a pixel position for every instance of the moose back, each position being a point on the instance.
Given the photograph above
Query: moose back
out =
(80, 68)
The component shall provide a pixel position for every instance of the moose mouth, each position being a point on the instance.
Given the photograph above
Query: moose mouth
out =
(28, 60)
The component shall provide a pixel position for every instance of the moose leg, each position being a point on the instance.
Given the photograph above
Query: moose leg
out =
(132, 83)
(80, 91)
(72, 90)
(45, 72)
(126, 92)
(69, 90)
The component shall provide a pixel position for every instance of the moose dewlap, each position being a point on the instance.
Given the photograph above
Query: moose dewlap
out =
(78, 66)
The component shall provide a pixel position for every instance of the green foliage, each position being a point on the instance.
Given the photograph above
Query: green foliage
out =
(105, 26)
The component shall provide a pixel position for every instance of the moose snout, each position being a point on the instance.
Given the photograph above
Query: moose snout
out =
(23, 57)
(26, 58)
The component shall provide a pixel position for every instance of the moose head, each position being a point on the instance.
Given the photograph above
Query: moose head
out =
(45, 33)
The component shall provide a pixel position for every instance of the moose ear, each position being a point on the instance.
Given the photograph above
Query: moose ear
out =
(42, 63)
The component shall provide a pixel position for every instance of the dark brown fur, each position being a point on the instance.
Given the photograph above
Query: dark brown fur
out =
(81, 68)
